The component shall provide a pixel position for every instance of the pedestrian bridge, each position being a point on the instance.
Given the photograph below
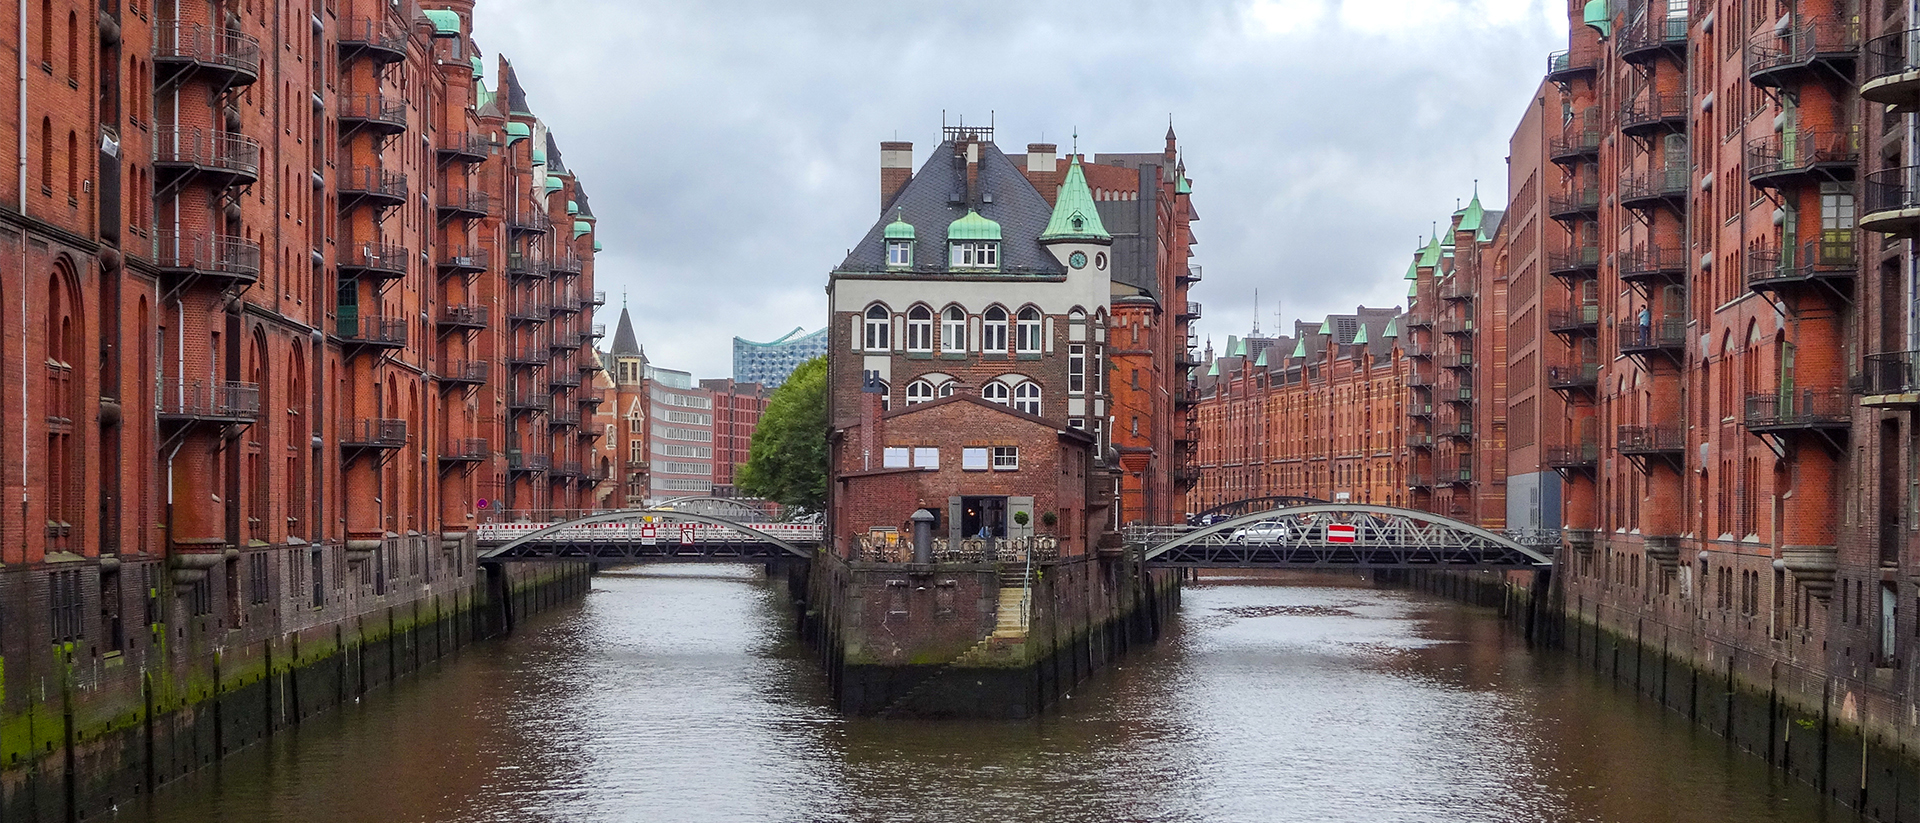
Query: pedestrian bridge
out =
(1302, 536)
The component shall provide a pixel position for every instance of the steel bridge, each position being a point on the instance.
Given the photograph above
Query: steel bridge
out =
(1308, 535)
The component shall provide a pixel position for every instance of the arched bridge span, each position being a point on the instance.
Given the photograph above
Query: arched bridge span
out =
(655, 534)
(1346, 536)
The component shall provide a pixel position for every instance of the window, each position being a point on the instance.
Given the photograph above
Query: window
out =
(1006, 458)
(1077, 368)
(879, 329)
(953, 330)
(636, 452)
(993, 330)
(926, 458)
(919, 391)
(899, 254)
(973, 460)
(920, 329)
(974, 254)
(1029, 334)
(1026, 397)
(946, 389)
(895, 457)
(995, 392)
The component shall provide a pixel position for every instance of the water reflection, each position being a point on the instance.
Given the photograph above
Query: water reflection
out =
(680, 694)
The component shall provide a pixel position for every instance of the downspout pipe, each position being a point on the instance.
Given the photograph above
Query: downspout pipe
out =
(20, 42)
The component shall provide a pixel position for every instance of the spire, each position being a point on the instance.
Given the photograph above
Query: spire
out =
(1074, 215)
(625, 343)
(1473, 214)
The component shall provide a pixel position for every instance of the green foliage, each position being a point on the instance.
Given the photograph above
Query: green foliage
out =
(1049, 519)
(1020, 518)
(787, 462)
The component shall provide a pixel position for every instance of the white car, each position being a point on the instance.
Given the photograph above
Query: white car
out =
(1262, 533)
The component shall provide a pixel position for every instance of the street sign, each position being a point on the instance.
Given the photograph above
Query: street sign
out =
(1341, 532)
(686, 534)
(646, 535)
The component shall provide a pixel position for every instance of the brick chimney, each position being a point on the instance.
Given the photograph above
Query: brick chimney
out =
(970, 147)
(896, 168)
(1043, 169)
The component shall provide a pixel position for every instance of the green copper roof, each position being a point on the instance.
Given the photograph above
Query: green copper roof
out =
(482, 97)
(1183, 185)
(1393, 328)
(539, 157)
(1262, 359)
(1413, 289)
(1300, 348)
(553, 184)
(479, 68)
(518, 131)
(899, 229)
(596, 245)
(1214, 370)
(1430, 256)
(1236, 347)
(1361, 338)
(973, 227)
(1074, 215)
(1326, 327)
(1413, 270)
(445, 21)
(573, 207)
(1599, 16)
(581, 227)
(1472, 216)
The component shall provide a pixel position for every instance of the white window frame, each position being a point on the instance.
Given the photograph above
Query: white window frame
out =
(920, 329)
(993, 332)
(899, 254)
(948, 388)
(1006, 458)
(973, 254)
(996, 392)
(879, 330)
(896, 457)
(1026, 398)
(1027, 325)
(1076, 368)
(919, 391)
(953, 330)
(975, 459)
(926, 457)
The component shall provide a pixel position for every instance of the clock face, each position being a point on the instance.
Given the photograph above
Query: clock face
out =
(1078, 260)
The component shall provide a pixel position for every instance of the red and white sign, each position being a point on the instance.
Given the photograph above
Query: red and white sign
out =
(1341, 532)
(646, 535)
(686, 534)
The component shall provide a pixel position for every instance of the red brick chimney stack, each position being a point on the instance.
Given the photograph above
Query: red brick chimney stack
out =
(1043, 169)
(896, 168)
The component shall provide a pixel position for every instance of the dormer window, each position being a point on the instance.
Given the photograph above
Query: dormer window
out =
(975, 254)
(899, 254)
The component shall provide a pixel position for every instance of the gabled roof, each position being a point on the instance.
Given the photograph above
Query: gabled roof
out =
(1430, 256)
(1075, 217)
(1472, 215)
(1010, 411)
(936, 197)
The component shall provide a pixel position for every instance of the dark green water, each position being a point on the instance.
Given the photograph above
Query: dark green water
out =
(678, 693)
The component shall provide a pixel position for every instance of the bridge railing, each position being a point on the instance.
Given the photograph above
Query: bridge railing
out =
(1038, 548)
(665, 532)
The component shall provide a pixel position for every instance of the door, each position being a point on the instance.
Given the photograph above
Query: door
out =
(1786, 379)
(1017, 506)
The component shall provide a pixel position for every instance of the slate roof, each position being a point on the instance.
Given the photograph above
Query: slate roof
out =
(937, 196)
(625, 343)
(554, 164)
(580, 196)
(516, 96)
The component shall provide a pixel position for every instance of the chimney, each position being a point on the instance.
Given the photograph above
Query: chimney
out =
(973, 172)
(896, 168)
(1043, 169)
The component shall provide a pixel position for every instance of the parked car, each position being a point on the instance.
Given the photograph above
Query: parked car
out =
(1262, 533)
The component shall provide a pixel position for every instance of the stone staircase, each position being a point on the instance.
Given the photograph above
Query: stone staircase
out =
(1009, 626)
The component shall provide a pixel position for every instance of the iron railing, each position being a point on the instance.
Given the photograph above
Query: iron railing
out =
(1583, 319)
(465, 146)
(372, 33)
(1655, 184)
(375, 433)
(1578, 455)
(464, 316)
(217, 150)
(465, 371)
(367, 181)
(1569, 204)
(1575, 259)
(1580, 376)
(390, 258)
(1653, 109)
(466, 204)
(1650, 439)
(1796, 150)
(1829, 256)
(1665, 333)
(224, 255)
(466, 450)
(1799, 409)
(465, 258)
(1892, 373)
(1652, 263)
(373, 108)
(1803, 41)
(207, 45)
(373, 329)
(210, 399)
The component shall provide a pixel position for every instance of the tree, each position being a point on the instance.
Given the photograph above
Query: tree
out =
(787, 462)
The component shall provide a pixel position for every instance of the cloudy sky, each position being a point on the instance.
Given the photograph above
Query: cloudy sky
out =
(731, 146)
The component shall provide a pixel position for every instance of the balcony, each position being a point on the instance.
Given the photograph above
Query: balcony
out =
(1456, 326)
(224, 56)
(1420, 410)
(373, 37)
(531, 356)
(1576, 263)
(464, 452)
(565, 263)
(524, 267)
(592, 333)
(525, 220)
(373, 261)
(1651, 266)
(1654, 114)
(1828, 263)
(1420, 440)
(1583, 456)
(1456, 394)
(1666, 336)
(1891, 380)
(1651, 441)
(1192, 312)
(369, 333)
(373, 112)
(1456, 287)
(528, 401)
(519, 462)
(1577, 143)
(462, 147)
(1803, 157)
(589, 397)
(1893, 202)
(209, 401)
(528, 312)
(598, 299)
(376, 187)
(1784, 56)
(462, 317)
(1463, 360)
(568, 470)
(565, 305)
(1582, 377)
(374, 433)
(1191, 275)
(463, 260)
(1454, 475)
(1419, 320)
(460, 204)
(1419, 480)
(219, 157)
(1419, 381)
(563, 419)
(464, 373)
(222, 260)
(1649, 37)
(563, 342)
(1893, 70)
(1800, 410)
(1564, 66)
(591, 364)
(1573, 207)
(1657, 188)
(561, 379)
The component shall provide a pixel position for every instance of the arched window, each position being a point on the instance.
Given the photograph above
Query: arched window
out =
(953, 330)
(886, 395)
(995, 392)
(993, 330)
(879, 329)
(1026, 397)
(920, 329)
(73, 47)
(64, 494)
(947, 388)
(919, 391)
(1029, 336)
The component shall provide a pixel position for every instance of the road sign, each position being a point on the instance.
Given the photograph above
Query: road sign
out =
(1341, 532)
(686, 534)
(646, 535)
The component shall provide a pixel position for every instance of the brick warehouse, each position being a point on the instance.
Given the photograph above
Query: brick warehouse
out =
(298, 292)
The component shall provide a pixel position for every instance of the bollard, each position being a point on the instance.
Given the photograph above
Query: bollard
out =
(922, 536)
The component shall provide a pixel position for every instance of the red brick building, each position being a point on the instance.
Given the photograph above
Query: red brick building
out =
(280, 283)
(736, 413)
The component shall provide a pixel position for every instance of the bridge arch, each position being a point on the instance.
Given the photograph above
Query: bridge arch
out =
(1254, 504)
(1382, 537)
(771, 545)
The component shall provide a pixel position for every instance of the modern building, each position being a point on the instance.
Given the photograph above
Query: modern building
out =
(769, 364)
(674, 437)
(302, 302)
(736, 413)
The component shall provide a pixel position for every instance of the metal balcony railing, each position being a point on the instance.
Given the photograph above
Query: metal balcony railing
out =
(1457, 287)
(374, 433)
(1192, 274)
(562, 379)
(1654, 187)
(371, 33)
(566, 263)
(373, 110)
(465, 147)
(454, 258)
(1192, 312)
(1891, 373)
(593, 332)
(182, 148)
(1799, 409)
(467, 450)
(1799, 151)
(529, 221)
(1636, 440)
(1456, 325)
(1570, 205)
(464, 317)
(1651, 33)
(525, 266)
(528, 311)
(373, 330)
(1665, 333)
(234, 259)
(1565, 64)
(599, 298)
(1653, 111)
(1578, 376)
(517, 461)
(1652, 263)
(1462, 360)
(528, 400)
(207, 47)
(528, 356)
(1585, 454)
(1830, 257)
(1892, 74)
(368, 182)
(1577, 320)
(220, 400)
(1578, 139)
(465, 372)
(1804, 42)
(465, 205)
(1574, 260)
(377, 259)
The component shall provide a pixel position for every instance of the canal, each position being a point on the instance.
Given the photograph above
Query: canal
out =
(681, 693)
